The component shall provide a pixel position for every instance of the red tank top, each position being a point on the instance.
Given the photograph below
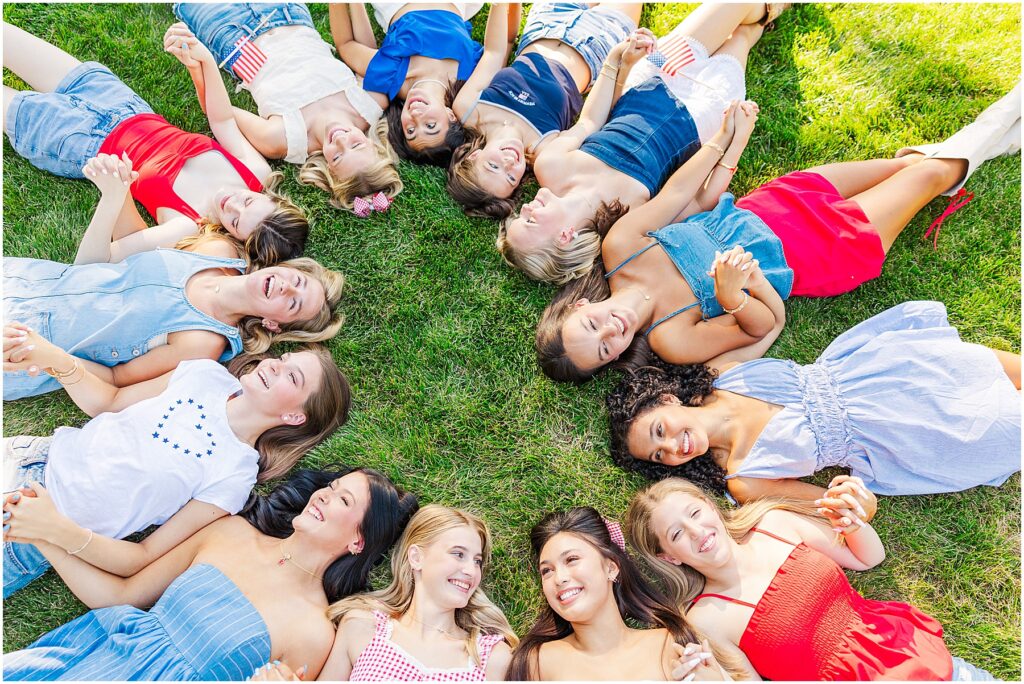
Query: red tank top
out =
(158, 150)
(812, 625)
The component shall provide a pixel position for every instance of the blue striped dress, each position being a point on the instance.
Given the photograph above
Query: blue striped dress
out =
(202, 628)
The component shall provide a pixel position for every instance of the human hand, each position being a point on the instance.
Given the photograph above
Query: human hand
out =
(182, 43)
(277, 671)
(25, 349)
(694, 661)
(731, 274)
(31, 516)
(745, 116)
(638, 45)
(847, 504)
(723, 137)
(109, 173)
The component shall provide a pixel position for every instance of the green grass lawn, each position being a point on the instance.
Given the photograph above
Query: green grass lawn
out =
(438, 341)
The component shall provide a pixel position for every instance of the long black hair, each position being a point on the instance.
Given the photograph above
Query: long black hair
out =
(388, 512)
(640, 391)
(635, 597)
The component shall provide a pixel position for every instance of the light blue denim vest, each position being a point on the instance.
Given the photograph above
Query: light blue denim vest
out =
(691, 246)
(108, 313)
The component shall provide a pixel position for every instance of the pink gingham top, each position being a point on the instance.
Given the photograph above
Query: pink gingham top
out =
(382, 659)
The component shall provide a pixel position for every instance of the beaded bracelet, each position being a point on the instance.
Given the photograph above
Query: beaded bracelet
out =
(746, 298)
(715, 146)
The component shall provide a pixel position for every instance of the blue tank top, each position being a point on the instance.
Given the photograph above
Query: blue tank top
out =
(691, 245)
(109, 313)
(541, 92)
(649, 135)
(437, 34)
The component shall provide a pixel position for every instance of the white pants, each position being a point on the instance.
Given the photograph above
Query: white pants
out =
(384, 11)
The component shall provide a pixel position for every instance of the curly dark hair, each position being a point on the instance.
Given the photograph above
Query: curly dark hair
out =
(439, 155)
(640, 391)
(463, 188)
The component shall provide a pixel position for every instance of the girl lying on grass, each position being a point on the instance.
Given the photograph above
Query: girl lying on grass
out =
(425, 59)
(312, 111)
(778, 601)
(178, 451)
(433, 622)
(592, 587)
(688, 294)
(511, 113)
(187, 182)
(240, 591)
(899, 399)
(599, 168)
(137, 319)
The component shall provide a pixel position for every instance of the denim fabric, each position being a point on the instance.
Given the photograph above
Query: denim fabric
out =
(592, 32)
(648, 136)
(107, 313)
(24, 461)
(219, 26)
(963, 671)
(60, 131)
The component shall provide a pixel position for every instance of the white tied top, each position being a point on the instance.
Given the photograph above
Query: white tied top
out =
(300, 70)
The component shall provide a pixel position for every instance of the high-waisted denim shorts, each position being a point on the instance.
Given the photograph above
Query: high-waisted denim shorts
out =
(592, 32)
(219, 26)
(60, 131)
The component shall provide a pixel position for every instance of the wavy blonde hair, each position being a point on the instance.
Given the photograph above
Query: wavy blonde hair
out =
(681, 582)
(323, 326)
(480, 616)
(381, 176)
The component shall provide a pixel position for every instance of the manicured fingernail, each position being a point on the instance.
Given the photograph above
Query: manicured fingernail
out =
(861, 523)
(277, 662)
(692, 663)
(33, 369)
(16, 496)
(7, 515)
(30, 347)
(7, 528)
(817, 502)
(689, 677)
(837, 530)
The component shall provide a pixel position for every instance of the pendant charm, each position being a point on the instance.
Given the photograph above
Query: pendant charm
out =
(283, 560)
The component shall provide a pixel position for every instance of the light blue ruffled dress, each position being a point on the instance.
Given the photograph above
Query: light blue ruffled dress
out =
(899, 399)
(202, 628)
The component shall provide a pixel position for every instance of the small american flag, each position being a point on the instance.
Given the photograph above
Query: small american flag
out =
(249, 60)
(673, 54)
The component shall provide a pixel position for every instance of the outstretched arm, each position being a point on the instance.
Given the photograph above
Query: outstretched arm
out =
(721, 175)
(349, 28)
(496, 50)
(180, 42)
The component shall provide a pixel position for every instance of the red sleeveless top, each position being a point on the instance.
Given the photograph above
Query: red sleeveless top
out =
(158, 150)
(812, 625)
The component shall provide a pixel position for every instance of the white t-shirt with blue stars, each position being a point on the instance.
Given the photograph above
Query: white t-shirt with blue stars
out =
(125, 471)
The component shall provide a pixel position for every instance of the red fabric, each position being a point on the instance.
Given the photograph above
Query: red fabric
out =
(158, 150)
(812, 625)
(829, 242)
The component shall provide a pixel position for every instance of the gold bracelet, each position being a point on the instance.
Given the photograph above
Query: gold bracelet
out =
(610, 71)
(730, 169)
(746, 298)
(62, 374)
(82, 547)
(73, 382)
(716, 146)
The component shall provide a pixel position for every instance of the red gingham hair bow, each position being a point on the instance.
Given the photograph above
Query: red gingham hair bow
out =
(364, 206)
(615, 532)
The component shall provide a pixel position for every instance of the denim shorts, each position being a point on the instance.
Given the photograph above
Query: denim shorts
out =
(62, 130)
(219, 26)
(591, 32)
(24, 461)
(963, 671)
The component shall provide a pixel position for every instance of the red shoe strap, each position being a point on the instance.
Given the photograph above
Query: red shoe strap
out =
(955, 203)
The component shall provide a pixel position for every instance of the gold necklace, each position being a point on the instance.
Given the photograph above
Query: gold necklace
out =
(443, 631)
(287, 558)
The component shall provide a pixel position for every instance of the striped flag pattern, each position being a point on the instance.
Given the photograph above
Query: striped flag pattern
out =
(249, 60)
(673, 54)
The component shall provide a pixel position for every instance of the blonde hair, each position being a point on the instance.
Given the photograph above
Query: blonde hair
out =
(480, 616)
(324, 325)
(381, 176)
(279, 236)
(681, 582)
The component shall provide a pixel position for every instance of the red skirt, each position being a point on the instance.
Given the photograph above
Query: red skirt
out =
(828, 241)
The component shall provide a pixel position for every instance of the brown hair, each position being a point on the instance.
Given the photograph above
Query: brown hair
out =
(326, 410)
(323, 326)
(439, 155)
(464, 189)
(381, 176)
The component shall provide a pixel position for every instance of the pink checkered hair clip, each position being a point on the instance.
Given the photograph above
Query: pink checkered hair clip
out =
(615, 532)
(364, 206)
